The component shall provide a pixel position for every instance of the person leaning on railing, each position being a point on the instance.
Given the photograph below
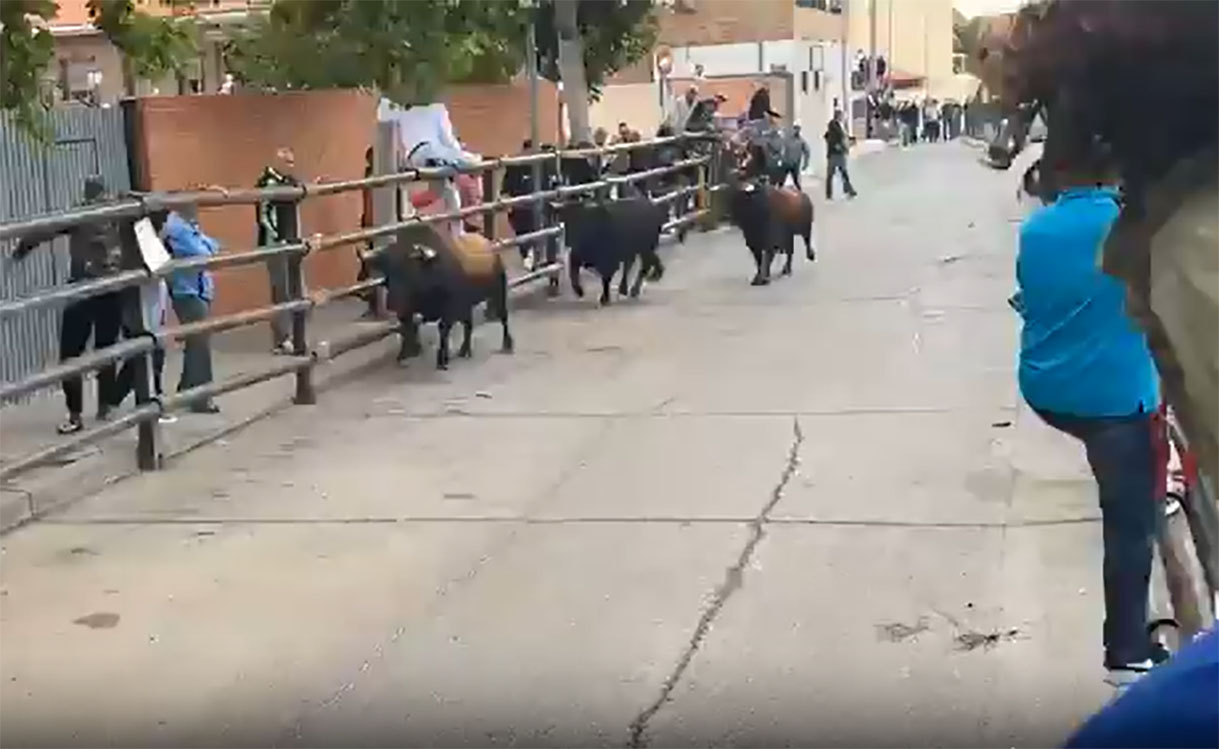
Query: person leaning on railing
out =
(191, 292)
(95, 251)
(277, 222)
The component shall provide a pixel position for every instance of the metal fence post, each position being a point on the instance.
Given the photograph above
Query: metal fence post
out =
(490, 195)
(145, 297)
(305, 393)
(552, 243)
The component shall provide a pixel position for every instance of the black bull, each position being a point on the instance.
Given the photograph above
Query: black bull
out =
(442, 279)
(606, 236)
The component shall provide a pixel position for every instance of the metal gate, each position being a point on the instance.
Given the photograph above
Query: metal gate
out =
(40, 177)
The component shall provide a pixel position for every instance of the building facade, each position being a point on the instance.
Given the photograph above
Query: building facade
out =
(89, 68)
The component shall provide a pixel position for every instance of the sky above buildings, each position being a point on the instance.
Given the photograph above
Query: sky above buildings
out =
(972, 8)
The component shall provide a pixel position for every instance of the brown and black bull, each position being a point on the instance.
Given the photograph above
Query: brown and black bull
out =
(442, 279)
(770, 217)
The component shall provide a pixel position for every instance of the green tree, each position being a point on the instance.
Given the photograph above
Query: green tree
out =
(608, 35)
(152, 47)
(25, 52)
(406, 49)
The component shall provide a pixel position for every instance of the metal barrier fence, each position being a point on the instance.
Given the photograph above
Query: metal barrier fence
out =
(140, 344)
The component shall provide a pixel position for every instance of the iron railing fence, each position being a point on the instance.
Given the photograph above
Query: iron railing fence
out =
(141, 343)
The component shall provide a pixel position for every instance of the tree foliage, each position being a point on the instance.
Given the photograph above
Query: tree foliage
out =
(25, 52)
(406, 49)
(410, 49)
(615, 33)
(152, 47)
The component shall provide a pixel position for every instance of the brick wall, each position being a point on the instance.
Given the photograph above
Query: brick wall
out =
(187, 141)
(728, 21)
(227, 140)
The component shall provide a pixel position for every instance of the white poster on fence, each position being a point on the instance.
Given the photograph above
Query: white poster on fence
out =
(152, 250)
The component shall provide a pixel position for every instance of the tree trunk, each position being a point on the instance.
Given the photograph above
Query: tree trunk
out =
(571, 68)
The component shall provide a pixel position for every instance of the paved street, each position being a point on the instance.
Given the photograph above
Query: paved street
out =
(809, 514)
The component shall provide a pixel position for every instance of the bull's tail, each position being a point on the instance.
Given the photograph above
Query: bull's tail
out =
(805, 229)
(498, 305)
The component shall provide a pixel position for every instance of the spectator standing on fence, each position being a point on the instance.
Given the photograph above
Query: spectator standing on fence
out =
(277, 221)
(191, 292)
(679, 114)
(759, 104)
(836, 148)
(95, 251)
(795, 156)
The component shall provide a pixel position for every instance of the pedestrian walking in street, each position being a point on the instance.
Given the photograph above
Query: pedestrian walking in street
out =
(836, 149)
(909, 123)
(278, 222)
(1086, 369)
(931, 121)
(795, 156)
(95, 251)
(191, 292)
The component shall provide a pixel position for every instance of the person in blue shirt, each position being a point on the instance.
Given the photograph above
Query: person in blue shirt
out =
(1086, 370)
(191, 292)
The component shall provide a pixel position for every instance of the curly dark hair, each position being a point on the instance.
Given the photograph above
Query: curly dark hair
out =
(1136, 81)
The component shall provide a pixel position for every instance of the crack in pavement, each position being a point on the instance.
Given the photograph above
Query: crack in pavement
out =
(734, 578)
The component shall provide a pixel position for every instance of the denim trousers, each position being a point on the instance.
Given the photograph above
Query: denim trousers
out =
(1122, 454)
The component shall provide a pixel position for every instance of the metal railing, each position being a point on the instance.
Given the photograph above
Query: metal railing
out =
(139, 344)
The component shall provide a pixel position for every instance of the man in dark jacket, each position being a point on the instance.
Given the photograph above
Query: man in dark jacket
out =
(836, 147)
(759, 104)
(795, 156)
(278, 222)
(95, 250)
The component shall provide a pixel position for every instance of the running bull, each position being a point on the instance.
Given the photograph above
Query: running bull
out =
(770, 218)
(442, 279)
(607, 235)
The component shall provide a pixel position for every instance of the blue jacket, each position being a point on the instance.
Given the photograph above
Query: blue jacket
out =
(1080, 354)
(184, 239)
(1175, 705)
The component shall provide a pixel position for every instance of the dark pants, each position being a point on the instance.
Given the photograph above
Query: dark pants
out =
(197, 349)
(794, 173)
(837, 162)
(281, 324)
(102, 318)
(365, 273)
(1122, 454)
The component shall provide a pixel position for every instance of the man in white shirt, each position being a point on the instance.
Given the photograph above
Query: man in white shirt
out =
(679, 115)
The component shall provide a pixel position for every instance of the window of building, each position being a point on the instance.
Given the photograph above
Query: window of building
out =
(830, 6)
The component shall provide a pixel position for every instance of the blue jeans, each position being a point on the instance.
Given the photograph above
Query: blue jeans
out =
(1122, 454)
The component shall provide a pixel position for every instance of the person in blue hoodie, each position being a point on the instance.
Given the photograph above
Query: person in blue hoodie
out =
(191, 292)
(1086, 370)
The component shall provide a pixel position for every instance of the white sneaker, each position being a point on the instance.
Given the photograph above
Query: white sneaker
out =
(530, 262)
(1123, 677)
(167, 418)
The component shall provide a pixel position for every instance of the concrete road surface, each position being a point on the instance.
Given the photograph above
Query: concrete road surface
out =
(811, 514)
